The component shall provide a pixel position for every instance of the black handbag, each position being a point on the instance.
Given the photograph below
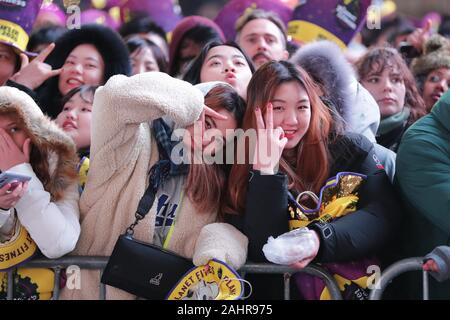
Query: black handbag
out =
(140, 268)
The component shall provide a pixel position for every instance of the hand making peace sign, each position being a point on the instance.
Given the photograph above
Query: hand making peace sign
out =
(270, 142)
(33, 74)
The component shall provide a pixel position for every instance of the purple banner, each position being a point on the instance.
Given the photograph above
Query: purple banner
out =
(342, 19)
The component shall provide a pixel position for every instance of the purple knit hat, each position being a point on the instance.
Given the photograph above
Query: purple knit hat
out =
(54, 11)
(184, 26)
(161, 11)
(98, 17)
(227, 17)
(16, 21)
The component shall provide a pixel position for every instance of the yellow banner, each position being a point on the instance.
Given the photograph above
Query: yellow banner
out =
(30, 284)
(18, 249)
(306, 32)
(13, 34)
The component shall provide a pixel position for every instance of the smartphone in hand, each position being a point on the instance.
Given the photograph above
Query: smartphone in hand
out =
(408, 51)
(8, 177)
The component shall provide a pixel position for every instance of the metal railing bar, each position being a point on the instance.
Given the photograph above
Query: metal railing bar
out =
(82, 262)
(57, 283)
(287, 286)
(10, 286)
(425, 286)
(402, 266)
(102, 288)
(313, 270)
(99, 263)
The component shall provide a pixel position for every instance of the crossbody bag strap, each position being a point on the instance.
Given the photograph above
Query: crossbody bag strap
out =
(143, 208)
(158, 173)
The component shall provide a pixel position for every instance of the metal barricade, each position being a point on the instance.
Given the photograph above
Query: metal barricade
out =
(396, 269)
(312, 269)
(92, 263)
(99, 263)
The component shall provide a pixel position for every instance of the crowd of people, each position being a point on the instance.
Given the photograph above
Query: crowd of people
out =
(90, 115)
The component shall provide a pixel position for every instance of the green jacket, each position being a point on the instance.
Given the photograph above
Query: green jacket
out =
(423, 180)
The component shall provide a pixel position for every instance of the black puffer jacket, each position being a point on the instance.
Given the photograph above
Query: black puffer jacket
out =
(357, 235)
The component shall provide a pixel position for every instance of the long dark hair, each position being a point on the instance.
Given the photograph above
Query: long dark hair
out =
(206, 183)
(193, 72)
(309, 166)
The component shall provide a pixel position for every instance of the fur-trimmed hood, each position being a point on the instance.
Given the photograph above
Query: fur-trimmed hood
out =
(326, 64)
(58, 149)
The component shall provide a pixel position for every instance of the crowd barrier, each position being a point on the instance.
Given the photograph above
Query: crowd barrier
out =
(99, 263)
(396, 269)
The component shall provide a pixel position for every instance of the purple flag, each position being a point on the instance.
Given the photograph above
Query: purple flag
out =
(335, 20)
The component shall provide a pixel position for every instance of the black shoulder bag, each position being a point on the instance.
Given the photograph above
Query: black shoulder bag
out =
(140, 268)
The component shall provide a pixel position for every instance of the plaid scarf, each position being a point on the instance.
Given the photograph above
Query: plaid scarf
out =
(164, 167)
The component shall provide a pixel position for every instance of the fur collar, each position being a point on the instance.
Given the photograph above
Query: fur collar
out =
(326, 64)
